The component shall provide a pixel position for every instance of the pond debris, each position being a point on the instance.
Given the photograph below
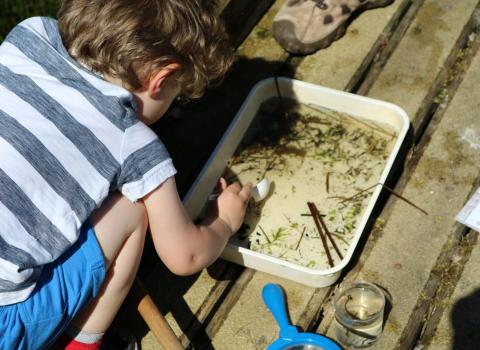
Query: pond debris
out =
(327, 182)
(307, 153)
(389, 190)
(336, 114)
(329, 235)
(321, 233)
(301, 236)
(265, 234)
(318, 220)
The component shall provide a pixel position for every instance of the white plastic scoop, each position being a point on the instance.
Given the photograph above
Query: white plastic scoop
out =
(261, 190)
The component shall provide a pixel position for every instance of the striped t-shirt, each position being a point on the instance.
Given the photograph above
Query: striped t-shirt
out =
(67, 139)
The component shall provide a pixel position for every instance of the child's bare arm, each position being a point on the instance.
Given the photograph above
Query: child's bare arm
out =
(184, 247)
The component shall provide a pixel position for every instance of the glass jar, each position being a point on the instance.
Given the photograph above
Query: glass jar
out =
(359, 308)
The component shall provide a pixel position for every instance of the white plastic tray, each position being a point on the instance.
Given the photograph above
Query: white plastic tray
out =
(306, 93)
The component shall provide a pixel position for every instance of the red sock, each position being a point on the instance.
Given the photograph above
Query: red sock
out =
(67, 343)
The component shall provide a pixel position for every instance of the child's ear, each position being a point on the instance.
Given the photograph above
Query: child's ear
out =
(156, 82)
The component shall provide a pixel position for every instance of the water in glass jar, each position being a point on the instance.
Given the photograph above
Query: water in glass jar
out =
(359, 315)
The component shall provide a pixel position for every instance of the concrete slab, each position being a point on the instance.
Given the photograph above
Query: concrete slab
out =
(336, 65)
(403, 257)
(460, 323)
(414, 65)
(250, 325)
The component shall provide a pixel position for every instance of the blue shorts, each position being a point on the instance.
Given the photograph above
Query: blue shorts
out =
(65, 287)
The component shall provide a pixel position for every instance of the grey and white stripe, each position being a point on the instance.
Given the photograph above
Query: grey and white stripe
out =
(22, 239)
(46, 165)
(56, 143)
(45, 55)
(81, 136)
(67, 139)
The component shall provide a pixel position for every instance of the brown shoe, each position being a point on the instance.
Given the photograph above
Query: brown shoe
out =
(304, 26)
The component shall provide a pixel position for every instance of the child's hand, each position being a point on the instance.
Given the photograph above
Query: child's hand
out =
(232, 203)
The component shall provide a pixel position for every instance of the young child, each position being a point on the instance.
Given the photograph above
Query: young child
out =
(81, 174)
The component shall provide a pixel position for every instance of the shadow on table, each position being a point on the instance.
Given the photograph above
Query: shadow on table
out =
(465, 320)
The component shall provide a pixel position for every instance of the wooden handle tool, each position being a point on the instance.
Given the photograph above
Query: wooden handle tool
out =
(153, 317)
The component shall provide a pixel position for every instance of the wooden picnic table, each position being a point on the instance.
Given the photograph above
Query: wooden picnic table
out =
(419, 54)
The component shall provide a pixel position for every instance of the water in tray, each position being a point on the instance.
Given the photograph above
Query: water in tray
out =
(312, 155)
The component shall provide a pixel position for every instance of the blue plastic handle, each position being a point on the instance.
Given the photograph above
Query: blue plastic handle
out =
(273, 297)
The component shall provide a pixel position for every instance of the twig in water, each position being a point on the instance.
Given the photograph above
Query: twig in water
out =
(329, 235)
(269, 166)
(372, 126)
(356, 194)
(320, 232)
(265, 234)
(339, 237)
(301, 237)
(279, 95)
(327, 182)
(388, 189)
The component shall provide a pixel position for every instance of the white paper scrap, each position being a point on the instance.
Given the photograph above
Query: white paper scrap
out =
(470, 213)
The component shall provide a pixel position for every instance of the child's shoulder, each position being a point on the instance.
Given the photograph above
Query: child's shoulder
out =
(38, 24)
(33, 30)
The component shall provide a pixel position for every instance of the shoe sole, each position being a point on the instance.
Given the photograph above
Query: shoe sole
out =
(305, 49)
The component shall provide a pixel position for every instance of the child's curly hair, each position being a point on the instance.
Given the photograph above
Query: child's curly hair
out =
(129, 40)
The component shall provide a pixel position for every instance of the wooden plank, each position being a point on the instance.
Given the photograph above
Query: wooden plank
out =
(406, 252)
(221, 4)
(260, 44)
(443, 276)
(389, 44)
(439, 288)
(442, 91)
